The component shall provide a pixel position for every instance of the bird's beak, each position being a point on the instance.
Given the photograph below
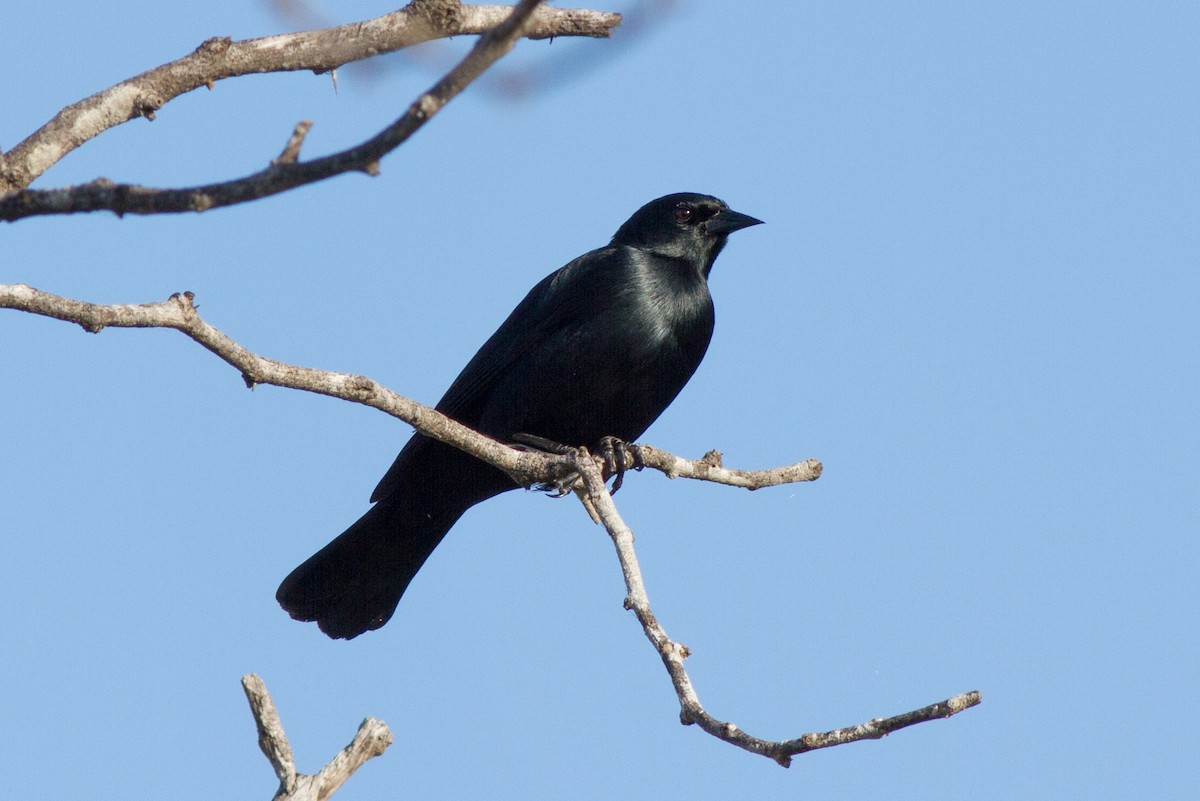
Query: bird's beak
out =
(728, 221)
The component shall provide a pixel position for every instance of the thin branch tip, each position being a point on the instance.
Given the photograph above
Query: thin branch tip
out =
(291, 150)
(711, 468)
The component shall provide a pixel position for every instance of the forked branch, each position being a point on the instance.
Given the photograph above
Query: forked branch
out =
(320, 51)
(372, 739)
(528, 467)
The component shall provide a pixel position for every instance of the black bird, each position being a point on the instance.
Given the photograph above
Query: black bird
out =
(597, 349)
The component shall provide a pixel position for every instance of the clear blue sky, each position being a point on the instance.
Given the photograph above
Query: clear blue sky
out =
(975, 300)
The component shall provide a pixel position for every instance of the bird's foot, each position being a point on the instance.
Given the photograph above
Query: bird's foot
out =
(616, 456)
(619, 456)
(526, 442)
(562, 484)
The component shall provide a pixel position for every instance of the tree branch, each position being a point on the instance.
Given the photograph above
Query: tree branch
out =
(219, 58)
(600, 504)
(710, 468)
(371, 740)
(179, 312)
(527, 467)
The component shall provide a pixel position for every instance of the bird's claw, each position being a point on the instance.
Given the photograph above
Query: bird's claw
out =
(619, 456)
(562, 484)
(524, 441)
(616, 456)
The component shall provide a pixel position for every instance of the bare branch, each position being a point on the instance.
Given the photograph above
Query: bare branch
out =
(179, 312)
(600, 504)
(320, 51)
(710, 469)
(271, 737)
(527, 467)
(371, 740)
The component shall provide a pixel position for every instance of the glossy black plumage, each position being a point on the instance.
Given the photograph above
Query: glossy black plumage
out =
(599, 348)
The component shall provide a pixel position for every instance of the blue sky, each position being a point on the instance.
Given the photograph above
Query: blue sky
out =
(975, 300)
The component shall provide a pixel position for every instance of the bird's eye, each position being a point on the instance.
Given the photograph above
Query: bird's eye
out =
(684, 212)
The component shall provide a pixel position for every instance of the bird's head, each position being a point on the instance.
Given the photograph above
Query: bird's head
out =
(684, 225)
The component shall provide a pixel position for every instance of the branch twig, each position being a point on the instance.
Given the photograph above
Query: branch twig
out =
(371, 740)
(710, 468)
(219, 58)
(600, 503)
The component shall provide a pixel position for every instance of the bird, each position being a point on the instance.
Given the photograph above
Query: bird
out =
(596, 351)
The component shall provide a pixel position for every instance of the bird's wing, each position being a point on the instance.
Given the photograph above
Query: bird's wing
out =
(556, 301)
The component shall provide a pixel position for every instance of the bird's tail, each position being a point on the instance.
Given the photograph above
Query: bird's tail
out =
(354, 583)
